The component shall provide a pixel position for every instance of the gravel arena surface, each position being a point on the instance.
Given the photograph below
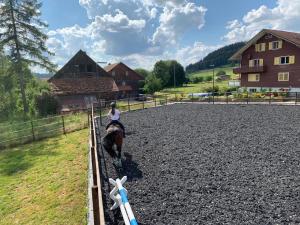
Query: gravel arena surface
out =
(210, 164)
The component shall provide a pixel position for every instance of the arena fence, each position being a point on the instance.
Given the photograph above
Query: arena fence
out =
(96, 211)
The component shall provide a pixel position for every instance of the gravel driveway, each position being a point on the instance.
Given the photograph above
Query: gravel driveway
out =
(212, 164)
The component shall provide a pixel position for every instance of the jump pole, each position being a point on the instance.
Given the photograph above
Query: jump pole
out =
(121, 200)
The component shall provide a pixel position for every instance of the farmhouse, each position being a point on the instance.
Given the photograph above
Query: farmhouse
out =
(270, 60)
(80, 82)
(126, 79)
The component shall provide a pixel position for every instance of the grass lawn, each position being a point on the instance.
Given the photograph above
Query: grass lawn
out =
(204, 73)
(45, 182)
(200, 87)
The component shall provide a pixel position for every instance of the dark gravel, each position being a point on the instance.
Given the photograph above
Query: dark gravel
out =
(212, 164)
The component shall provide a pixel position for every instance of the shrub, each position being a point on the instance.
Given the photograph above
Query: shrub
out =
(196, 80)
(208, 78)
(221, 72)
(210, 89)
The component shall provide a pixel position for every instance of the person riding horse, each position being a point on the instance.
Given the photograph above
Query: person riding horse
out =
(114, 117)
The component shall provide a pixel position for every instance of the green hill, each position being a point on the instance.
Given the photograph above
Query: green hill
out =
(217, 58)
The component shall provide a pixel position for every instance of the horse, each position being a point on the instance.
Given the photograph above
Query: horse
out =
(114, 137)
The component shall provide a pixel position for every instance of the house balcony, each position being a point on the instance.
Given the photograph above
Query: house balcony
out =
(247, 69)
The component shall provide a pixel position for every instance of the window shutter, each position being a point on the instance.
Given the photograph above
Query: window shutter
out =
(276, 60)
(279, 44)
(261, 62)
(257, 47)
(263, 47)
(251, 63)
(270, 45)
(292, 59)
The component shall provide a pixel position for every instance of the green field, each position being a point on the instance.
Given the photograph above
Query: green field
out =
(200, 87)
(45, 182)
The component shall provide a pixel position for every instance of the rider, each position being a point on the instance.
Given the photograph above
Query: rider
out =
(114, 117)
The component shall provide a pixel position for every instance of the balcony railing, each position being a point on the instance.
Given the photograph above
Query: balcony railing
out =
(247, 69)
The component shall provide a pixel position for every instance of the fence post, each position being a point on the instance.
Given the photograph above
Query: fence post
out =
(296, 99)
(270, 98)
(128, 103)
(166, 99)
(192, 97)
(154, 101)
(100, 112)
(143, 102)
(227, 97)
(247, 97)
(63, 123)
(32, 130)
(213, 97)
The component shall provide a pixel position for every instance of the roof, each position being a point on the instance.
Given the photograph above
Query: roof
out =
(291, 37)
(110, 67)
(83, 85)
(125, 88)
(76, 59)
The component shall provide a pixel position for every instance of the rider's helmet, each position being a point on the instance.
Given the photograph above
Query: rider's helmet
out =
(113, 104)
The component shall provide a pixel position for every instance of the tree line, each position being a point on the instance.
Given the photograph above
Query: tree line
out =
(166, 73)
(217, 58)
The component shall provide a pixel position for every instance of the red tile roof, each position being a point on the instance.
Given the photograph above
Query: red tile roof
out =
(83, 85)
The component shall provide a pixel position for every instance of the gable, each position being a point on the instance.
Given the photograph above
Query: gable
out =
(267, 36)
(80, 66)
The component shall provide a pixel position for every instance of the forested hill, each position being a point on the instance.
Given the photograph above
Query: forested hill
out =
(217, 58)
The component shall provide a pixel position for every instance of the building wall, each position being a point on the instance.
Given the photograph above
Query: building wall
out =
(119, 75)
(269, 78)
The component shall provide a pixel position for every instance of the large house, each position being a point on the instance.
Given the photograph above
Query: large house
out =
(81, 82)
(270, 60)
(126, 79)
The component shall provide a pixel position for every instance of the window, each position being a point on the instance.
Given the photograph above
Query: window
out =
(89, 68)
(254, 77)
(123, 83)
(113, 73)
(261, 47)
(252, 90)
(274, 45)
(256, 62)
(283, 76)
(284, 60)
(127, 73)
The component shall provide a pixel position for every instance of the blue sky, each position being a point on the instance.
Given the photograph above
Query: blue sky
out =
(140, 32)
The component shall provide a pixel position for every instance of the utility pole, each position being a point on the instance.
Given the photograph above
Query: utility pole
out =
(174, 75)
(213, 83)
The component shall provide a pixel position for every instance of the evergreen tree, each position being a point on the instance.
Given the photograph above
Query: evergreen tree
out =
(21, 34)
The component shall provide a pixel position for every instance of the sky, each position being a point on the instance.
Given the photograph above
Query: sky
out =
(141, 32)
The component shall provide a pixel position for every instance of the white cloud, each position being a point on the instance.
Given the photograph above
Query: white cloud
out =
(138, 32)
(285, 16)
(176, 20)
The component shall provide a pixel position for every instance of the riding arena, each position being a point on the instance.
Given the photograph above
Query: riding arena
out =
(207, 164)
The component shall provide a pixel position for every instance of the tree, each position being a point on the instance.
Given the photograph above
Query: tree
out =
(162, 71)
(152, 84)
(142, 72)
(177, 68)
(21, 32)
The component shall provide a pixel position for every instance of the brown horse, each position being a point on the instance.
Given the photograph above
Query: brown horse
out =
(114, 137)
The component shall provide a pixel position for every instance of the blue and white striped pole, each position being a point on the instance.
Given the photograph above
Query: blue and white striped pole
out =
(121, 200)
